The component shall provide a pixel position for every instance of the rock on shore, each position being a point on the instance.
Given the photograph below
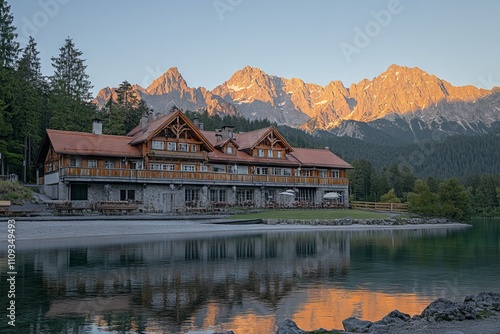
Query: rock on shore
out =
(351, 221)
(476, 314)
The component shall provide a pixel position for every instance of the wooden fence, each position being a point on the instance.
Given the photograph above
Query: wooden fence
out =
(379, 206)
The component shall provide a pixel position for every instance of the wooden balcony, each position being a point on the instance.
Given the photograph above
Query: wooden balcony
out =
(202, 178)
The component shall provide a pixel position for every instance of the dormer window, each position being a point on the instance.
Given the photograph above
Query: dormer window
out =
(278, 154)
(229, 150)
(183, 147)
(157, 145)
(269, 153)
(261, 153)
(171, 146)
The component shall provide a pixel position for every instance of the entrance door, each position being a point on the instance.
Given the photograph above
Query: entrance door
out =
(169, 200)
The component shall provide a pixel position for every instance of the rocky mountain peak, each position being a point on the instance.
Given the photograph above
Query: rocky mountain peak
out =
(169, 81)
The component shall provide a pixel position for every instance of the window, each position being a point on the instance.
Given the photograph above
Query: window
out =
(194, 148)
(191, 196)
(305, 195)
(219, 168)
(78, 192)
(203, 168)
(232, 169)
(127, 195)
(171, 146)
(269, 153)
(49, 167)
(183, 147)
(110, 164)
(306, 172)
(188, 168)
(244, 195)
(229, 150)
(158, 145)
(157, 166)
(278, 154)
(74, 162)
(278, 171)
(287, 171)
(261, 170)
(261, 153)
(92, 164)
(136, 165)
(217, 195)
(335, 173)
(322, 173)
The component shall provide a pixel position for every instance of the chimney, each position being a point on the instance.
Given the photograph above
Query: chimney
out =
(144, 121)
(227, 131)
(197, 123)
(218, 134)
(96, 126)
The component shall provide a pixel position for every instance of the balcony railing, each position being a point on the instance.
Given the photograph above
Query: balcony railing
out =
(143, 175)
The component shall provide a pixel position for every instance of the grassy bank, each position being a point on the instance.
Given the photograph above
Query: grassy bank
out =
(313, 214)
(14, 192)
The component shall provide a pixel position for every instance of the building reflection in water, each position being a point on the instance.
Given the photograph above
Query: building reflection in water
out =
(246, 283)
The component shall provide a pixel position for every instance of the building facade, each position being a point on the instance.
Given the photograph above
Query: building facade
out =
(170, 164)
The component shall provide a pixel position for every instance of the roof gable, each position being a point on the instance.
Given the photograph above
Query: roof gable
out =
(176, 122)
(250, 140)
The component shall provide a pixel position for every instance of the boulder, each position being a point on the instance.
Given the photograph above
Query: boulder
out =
(395, 317)
(356, 325)
(445, 309)
(484, 300)
(288, 326)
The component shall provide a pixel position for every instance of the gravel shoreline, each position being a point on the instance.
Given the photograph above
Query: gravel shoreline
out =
(43, 228)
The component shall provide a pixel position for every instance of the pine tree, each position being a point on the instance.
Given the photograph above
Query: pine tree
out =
(70, 91)
(31, 105)
(9, 47)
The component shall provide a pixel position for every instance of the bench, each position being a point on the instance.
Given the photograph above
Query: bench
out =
(67, 209)
(4, 207)
(110, 208)
(5, 210)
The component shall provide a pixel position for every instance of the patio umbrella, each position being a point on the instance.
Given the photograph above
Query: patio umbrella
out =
(287, 193)
(332, 195)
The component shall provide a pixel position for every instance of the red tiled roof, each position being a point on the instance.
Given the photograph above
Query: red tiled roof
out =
(141, 135)
(244, 158)
(318, 158)
(83, 143)
(249, 139)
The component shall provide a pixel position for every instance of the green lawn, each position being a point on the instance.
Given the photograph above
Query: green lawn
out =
(312, 214)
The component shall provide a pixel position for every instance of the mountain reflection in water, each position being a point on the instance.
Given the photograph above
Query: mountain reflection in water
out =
(249, 282)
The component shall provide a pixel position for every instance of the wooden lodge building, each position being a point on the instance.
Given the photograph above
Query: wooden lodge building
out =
(170, 164)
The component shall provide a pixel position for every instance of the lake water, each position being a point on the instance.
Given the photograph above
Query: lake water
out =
(246, 282)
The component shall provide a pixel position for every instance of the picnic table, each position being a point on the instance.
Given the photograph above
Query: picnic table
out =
(5, 210)
(67, 209)
(110, 208)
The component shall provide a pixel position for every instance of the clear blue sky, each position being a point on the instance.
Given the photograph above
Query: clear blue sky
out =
(317, 41)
